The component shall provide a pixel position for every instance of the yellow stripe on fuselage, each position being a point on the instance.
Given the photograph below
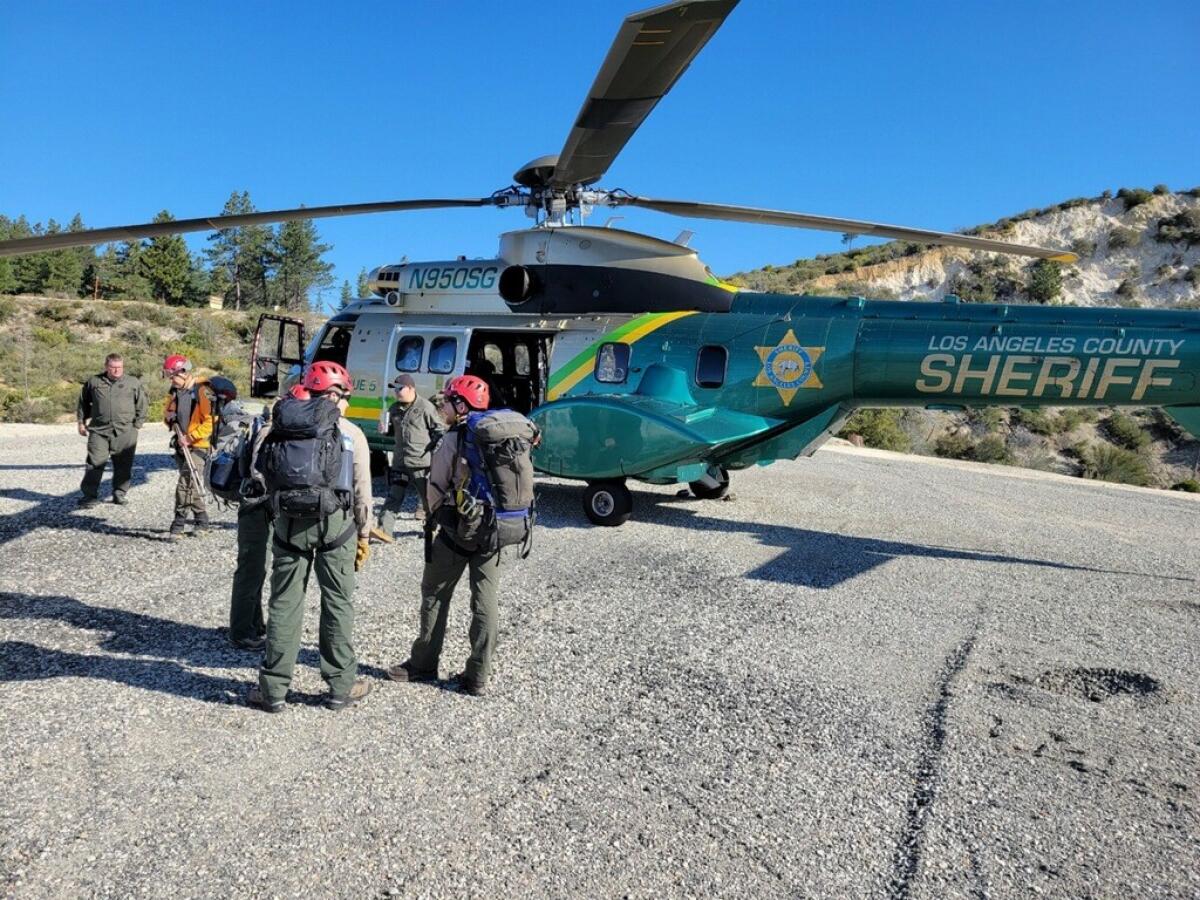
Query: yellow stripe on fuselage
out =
(632, 337)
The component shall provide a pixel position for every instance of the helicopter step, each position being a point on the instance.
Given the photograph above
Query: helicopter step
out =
(608, 503)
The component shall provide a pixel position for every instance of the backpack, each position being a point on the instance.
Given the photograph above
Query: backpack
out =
(495, 504)
(307, 464)
(229, 474)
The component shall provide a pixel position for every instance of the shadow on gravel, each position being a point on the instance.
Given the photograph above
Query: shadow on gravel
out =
(137, 634)
(815, 559)
(59, 510)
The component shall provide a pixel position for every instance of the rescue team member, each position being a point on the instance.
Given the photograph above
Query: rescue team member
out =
(111, 409)
(190, 408)
(417, 427)
(446, 563)
(247, 628)
(321, 541)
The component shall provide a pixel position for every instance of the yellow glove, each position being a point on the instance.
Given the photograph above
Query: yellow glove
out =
(361, 554)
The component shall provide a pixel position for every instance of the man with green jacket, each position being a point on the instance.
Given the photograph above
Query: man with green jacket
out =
(417, 427)
(111, 408)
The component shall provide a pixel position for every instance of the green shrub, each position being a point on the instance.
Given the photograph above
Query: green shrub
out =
(1104, 462)
(1125, 430)
(8, 309)
(50, 337)
(1120, 238)
(56, 312)
(992, 449)
(1083, 248)
(1188, 485)
(879, 428)
(1184, 227)
(97, 316)
(953, 445)
(1045, 281)
(1161, 189)
(1191, 276)
(1134, 197)
(1073, 416)
(989, 418)
(1127, 292)
(1038, 421)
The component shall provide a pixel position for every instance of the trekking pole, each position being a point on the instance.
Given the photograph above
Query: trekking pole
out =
(197, 484)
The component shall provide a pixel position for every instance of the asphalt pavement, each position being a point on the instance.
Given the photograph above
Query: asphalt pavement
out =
(867, 675)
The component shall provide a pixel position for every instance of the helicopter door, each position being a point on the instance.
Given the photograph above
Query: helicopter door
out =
(278, 346)
(432, 356)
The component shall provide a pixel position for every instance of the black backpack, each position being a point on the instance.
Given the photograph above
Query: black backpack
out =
(305, 461)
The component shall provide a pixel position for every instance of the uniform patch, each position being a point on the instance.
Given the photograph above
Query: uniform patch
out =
(788, 367)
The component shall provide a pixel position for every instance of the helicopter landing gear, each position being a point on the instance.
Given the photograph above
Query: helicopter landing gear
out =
(607, 503)
(712, 486)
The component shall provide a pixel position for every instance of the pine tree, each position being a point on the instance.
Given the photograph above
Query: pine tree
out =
(167, 265)
(30, 269)
(300, 268)
(1045, 281)
(346, 295)
(8, 278)
(128, 281)
(242, 254)
(63, 268)
(364, 288)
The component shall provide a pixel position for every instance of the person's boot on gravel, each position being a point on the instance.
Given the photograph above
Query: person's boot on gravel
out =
(405, 672)
(357, 692)
(256, 700)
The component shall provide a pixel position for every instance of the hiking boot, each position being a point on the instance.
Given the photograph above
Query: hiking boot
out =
(358, 690)
(120, 500)
(251, 643)
(201, 526)
(468, 685)
(256, 700)
(405, 672)
(87, 503)
(380, 535)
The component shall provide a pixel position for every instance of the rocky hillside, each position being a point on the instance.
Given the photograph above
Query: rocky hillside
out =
(1137, 248)
(48, 347)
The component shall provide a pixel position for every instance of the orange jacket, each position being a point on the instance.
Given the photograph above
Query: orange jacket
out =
(200, 428)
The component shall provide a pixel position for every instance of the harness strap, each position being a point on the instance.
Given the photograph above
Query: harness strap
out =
(341, 539)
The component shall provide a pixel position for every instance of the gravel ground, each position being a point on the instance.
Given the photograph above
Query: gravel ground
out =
(868, 675)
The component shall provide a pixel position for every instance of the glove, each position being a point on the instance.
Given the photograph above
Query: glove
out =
(361, 554)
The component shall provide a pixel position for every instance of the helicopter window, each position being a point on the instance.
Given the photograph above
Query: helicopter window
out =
(495, 356)
(521, 359)
(408, 353)
(710, 366)
(612, 363)
(442, 354)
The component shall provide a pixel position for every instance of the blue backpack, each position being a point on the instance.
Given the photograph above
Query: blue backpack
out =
(495, 504)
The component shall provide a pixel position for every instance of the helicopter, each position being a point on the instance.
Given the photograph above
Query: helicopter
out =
(639, 364)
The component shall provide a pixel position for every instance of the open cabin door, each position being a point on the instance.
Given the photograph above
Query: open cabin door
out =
(278, 346)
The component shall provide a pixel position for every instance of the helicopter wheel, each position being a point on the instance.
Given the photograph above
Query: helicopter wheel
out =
(607, 503)
(708, 492)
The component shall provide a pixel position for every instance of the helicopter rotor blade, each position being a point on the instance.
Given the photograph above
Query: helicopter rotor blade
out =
(652, 49)
(44, 242)
(754, 215)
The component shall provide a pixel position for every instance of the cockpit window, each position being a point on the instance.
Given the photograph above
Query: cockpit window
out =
(612, 363)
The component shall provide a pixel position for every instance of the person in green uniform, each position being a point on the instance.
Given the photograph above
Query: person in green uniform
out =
(448, 559)
(417, 427)
(111, 408)
(324, 543)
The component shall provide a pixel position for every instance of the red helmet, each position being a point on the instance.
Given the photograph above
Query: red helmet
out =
(176, 364)
(299, 392)
(323, 376)
(471, 390)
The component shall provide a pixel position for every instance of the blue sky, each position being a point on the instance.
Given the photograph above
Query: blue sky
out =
(932, 114)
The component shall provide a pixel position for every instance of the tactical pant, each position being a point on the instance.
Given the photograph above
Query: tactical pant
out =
(253, 538)
(187, 498)
(289, 582)
(440, 578)
(401, 480)
(103, 443)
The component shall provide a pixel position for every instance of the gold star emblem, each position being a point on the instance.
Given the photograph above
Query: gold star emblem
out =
(787, 367)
